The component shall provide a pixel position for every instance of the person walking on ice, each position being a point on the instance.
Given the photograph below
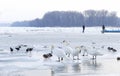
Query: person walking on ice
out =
(103, 29)
(83, 28)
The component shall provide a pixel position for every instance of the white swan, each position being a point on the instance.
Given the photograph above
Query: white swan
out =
(94, 51)
(59, 52)
(66, 48)
(71, 51)
(84, 50)
(75, 52)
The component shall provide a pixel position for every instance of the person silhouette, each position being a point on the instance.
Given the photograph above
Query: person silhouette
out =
(83, 28)
(103, 29)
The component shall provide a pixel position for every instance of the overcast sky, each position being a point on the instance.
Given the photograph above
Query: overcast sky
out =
(19, 10)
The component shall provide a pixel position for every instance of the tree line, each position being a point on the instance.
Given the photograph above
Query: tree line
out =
(73, 19)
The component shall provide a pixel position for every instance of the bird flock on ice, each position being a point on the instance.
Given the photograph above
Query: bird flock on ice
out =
(65, 51)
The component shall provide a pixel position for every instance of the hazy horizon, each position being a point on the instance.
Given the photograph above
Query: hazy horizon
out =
(20, 10)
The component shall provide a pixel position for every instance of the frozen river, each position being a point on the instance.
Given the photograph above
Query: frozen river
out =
(14, 64)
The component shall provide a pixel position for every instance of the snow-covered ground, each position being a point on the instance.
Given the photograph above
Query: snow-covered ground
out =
(14, 64)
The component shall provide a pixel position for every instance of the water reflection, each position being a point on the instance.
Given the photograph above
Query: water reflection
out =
(57, 67)
(61, 68)
(66, 68)
(93, 67)
(91, 64)
(76, 67)
(85, 67)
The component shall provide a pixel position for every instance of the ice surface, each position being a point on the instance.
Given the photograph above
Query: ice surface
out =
(14, 64)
